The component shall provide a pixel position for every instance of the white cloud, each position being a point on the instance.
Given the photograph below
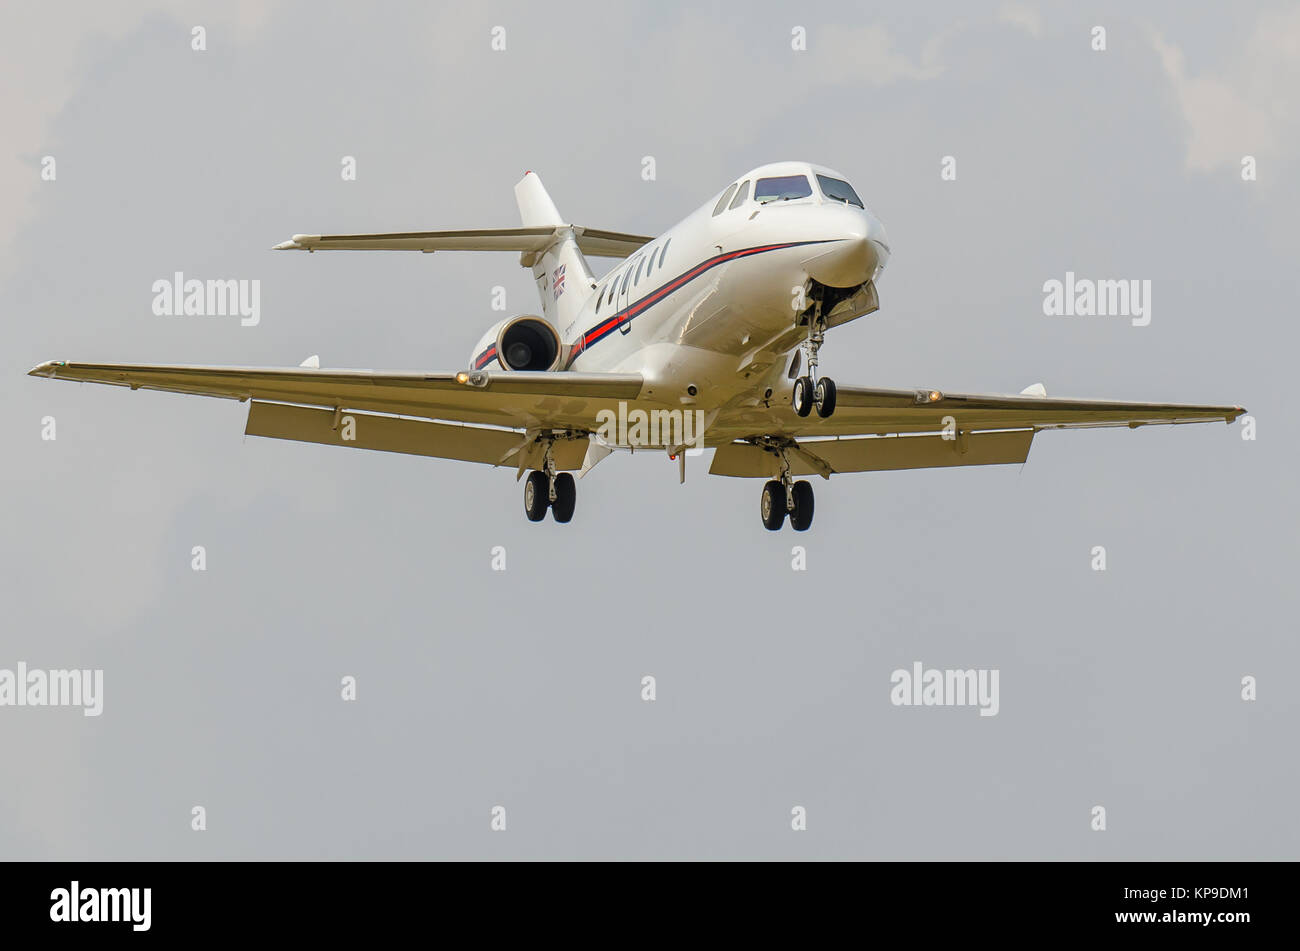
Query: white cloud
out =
(1023, 16)
(869, 54)
(1252, 106)
(44, 50)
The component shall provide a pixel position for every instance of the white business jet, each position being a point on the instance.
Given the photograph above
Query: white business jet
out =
(717, 322)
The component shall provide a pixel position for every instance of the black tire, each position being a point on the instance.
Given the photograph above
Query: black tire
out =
(801, 396)
(537, 496)
(824, 396)
(801, 517)
(566, 497)
(771, 506)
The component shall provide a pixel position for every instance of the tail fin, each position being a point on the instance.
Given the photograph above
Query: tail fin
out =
(564, 281)
(535, 206)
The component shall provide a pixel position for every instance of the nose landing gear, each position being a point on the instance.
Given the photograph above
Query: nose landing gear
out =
(810, 391)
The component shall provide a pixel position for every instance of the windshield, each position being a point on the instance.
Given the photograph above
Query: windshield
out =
(837, 190)
(782, 188)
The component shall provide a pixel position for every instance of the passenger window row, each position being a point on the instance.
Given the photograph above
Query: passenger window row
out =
(649, 262)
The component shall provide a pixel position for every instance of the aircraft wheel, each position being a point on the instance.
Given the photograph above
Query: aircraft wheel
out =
(566, 497)
(537, 496)
(801, 517)
(824, 396)
(771, 506)
(801, 397)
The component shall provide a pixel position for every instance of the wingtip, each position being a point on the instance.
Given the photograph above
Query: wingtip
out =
(299, 242)
(47, 368)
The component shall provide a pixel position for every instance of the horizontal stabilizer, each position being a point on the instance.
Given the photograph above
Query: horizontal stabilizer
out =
(591, 241)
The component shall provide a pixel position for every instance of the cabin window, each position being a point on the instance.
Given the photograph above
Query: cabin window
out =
(626, 278)
(663, 252)
(600, 299)
(741, 195)
(726, 197)
(639, 265)
(782, 188)
(837, 190)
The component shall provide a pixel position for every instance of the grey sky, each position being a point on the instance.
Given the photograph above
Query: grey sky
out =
(477, 688)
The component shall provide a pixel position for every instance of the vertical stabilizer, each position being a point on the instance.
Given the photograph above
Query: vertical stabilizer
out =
(535, 206)
(564, 281)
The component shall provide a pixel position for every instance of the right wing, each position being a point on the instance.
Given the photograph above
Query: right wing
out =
(308, 405)
(878, 429)
(591, 241)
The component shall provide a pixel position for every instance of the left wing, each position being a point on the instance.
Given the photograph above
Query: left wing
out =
(912, 429)
(308, 405)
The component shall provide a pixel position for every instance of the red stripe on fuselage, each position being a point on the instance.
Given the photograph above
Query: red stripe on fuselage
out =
(596, 333)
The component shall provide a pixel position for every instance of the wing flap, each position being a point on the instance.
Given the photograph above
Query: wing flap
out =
(876, 454)
(411, 436)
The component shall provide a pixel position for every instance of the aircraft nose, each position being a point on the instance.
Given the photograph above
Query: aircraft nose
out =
(879, 242)
(856, 253)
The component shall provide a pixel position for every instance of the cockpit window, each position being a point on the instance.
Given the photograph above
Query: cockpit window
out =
(836, 190)
(782, 188)
(722, 202)
(741, 195)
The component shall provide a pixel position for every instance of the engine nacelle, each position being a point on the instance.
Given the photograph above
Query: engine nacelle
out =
(526, 342)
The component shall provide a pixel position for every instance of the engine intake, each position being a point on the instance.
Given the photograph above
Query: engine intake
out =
(528, 343)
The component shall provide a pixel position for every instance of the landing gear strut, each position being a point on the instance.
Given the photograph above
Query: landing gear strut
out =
(809, 390)
(783, 497)
(549, 489)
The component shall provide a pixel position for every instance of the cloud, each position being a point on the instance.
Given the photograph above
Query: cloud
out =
(1252, 107)
(1023, 16)
(869, 54)
(45, 51)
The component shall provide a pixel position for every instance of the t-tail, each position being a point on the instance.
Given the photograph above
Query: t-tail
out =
(564, 281)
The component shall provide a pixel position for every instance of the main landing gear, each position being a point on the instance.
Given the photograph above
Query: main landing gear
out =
(809, 390)
(786, 497)
(549, 489)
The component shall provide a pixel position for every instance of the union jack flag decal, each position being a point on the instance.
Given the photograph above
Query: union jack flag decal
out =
(557, 279)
